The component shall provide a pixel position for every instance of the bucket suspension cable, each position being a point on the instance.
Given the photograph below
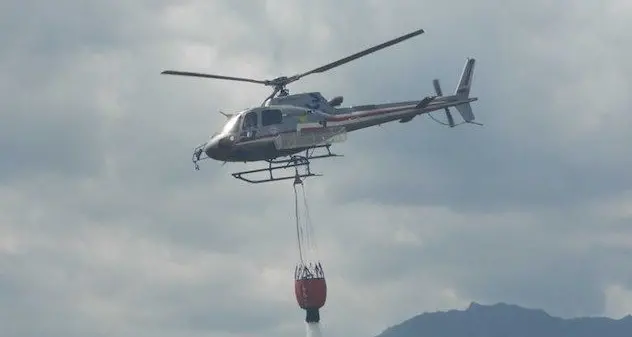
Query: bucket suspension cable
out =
(298, 224)
(304, 232)
(310, 287)
(310, 240)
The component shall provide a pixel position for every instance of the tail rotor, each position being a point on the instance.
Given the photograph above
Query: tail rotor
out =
(461, 99)
(448, 114)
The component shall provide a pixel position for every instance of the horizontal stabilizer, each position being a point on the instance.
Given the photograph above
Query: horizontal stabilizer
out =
(424, 102)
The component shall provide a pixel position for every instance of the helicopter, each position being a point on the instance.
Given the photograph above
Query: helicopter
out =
(285, 124)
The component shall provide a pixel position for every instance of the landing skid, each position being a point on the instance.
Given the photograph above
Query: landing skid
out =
(294, 161)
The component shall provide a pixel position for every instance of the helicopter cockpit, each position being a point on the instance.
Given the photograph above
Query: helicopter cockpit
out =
(231, 125)
(260, 121)
(248, 123)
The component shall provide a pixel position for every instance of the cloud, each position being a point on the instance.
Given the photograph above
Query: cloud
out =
(105, 229)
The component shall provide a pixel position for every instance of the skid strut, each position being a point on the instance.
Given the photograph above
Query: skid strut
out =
(295, 161)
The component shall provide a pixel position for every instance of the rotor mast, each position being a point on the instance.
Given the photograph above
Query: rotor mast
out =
(279, 84)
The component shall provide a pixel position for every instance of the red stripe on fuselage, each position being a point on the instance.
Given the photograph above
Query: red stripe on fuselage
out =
(369, 113)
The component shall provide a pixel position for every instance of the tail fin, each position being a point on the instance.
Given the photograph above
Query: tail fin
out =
(463, 90)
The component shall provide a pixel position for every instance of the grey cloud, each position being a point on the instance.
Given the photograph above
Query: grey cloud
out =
(521, 85)
(474, 171)
(521, 259)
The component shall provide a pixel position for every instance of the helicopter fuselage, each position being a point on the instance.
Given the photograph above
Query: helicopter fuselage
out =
(254, 134)
(290, 124)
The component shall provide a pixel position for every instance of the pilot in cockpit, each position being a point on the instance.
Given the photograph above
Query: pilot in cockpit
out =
(250, 121)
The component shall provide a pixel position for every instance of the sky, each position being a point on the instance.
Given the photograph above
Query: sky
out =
(107, 230)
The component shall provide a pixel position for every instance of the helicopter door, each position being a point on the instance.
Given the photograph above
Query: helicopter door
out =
(250, 125)
(271, 121)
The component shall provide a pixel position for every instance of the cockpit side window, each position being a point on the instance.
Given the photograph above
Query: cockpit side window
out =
(271, 117)
(250, 120)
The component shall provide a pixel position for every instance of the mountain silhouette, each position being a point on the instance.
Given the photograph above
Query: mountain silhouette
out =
(506, 320)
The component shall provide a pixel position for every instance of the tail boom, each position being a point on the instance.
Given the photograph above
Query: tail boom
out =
(360, 117)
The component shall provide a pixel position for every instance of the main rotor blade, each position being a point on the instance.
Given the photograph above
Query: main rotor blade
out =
(186, 73)
(359, 54)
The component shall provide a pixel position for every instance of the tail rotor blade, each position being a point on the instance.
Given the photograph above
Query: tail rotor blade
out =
(450, 119)
(448, 114)
(437, 87)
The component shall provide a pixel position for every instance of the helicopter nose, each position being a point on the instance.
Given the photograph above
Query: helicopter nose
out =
(217, 148)
(211, 148)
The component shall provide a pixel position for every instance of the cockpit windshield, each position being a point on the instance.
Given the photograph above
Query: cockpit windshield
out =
(230, 125)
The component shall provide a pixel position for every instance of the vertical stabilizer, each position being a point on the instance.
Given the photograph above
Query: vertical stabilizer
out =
(463, 90)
